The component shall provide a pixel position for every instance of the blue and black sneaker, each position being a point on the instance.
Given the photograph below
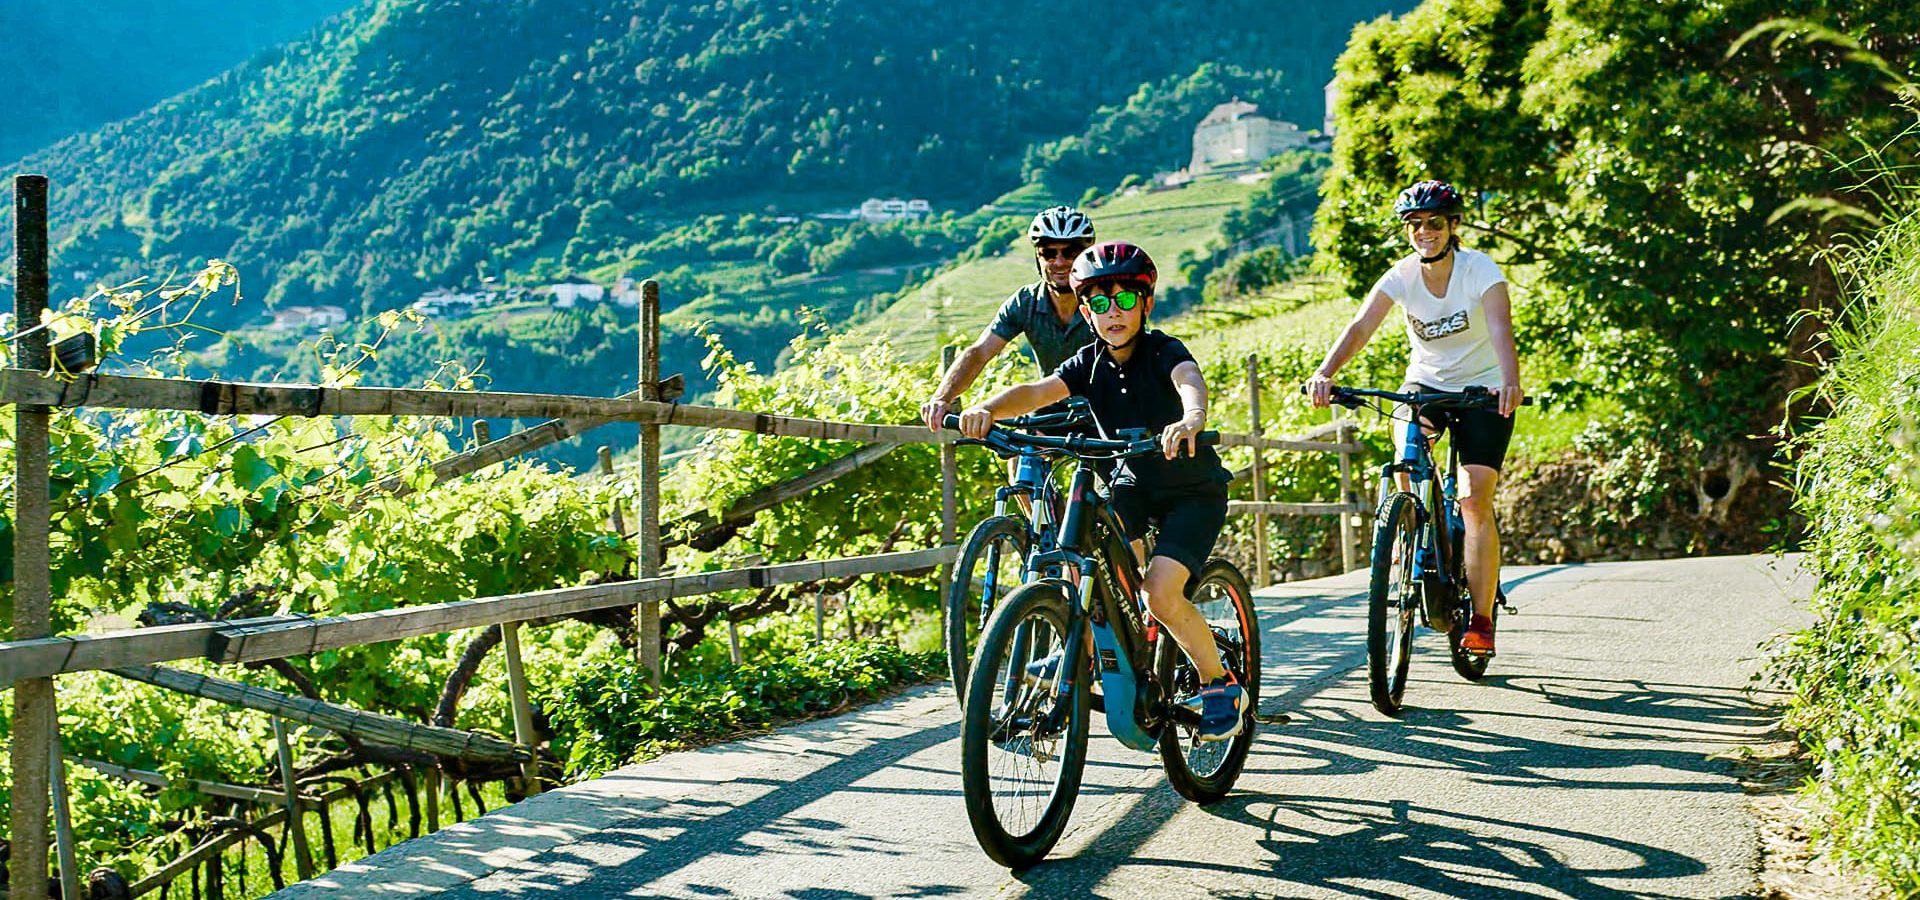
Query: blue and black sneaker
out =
(1041, 670)
(1219, 703)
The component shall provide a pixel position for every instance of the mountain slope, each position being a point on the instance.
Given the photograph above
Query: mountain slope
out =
(73, 67)
(412, 143)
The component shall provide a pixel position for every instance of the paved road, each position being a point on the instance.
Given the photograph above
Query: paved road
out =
(1580, 768)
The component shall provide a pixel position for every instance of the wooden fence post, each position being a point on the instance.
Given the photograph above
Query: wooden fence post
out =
(482, 433)
(296, 825)
(649, 506)
(606, 469)
(733, 640)
(819, 616)
(62, 818)
(33, 709)
(522, 710)
(949, 499)
(430, 786)
(1349, 535)
(1262, 565)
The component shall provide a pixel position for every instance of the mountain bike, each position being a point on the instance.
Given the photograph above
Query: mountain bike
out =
(1023, 738)
(993, 559)
(1419, 553)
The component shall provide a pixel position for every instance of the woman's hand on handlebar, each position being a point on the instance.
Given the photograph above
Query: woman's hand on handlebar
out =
(1177, 439)
(1512, 397)
(1319, 390)
(976, 422)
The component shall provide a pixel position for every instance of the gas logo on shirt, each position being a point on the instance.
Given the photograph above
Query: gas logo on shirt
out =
(1439, 328)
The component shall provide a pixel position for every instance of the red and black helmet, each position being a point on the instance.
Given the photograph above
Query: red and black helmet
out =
(1428, 196)
(1114, 261)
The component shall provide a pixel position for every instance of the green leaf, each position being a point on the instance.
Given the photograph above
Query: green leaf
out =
(250, 470)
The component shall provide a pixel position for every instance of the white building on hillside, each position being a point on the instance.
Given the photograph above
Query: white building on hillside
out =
(893, 208)
(567, 293)
(1333, 99)
(1235, 134)
(290, 318)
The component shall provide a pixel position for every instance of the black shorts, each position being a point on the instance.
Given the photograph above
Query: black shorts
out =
(1190, 518)
(1480, 436)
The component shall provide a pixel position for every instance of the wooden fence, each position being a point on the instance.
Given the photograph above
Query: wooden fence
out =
(34, 656)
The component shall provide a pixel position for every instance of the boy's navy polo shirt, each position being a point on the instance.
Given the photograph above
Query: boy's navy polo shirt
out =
(1139, 394)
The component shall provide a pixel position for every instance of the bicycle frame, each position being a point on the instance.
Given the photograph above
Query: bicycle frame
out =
(1104, 591)
(1430, 494)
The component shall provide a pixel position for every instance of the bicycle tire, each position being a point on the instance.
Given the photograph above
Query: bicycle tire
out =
(995, 542)
(1240, 653)
(1390, 607)
(991, 732)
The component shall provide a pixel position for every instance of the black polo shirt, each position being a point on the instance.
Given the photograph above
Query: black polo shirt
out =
(1139, 394)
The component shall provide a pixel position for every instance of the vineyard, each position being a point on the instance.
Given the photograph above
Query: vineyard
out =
(344, 603)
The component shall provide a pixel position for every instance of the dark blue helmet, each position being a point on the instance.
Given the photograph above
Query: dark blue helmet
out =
(1428, 196)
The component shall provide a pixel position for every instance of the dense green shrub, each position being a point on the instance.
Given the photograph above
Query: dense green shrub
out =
(611, 714)
(1856, 673)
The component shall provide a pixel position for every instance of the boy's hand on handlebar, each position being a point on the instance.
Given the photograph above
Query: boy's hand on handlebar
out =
(1177, 439)
(1512, 396)
(976, 422)
(935, 409)
(1319, 390)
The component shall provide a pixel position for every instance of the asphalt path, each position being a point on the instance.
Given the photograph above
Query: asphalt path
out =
(1586, 765)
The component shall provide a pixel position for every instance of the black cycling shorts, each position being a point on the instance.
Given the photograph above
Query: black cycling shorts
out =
(1480, 436)
(1190, 518)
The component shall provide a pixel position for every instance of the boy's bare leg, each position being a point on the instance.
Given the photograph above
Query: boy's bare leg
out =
(1167, 600)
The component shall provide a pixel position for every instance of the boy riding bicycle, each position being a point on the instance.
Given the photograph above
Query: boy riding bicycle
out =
(1133, 378)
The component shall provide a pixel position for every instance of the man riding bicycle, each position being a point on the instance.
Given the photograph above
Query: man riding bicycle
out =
(1046, 311)
(1134, 378)
(1459, 321)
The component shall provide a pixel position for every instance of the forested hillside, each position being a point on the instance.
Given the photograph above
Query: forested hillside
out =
(74, 67)
(410, 144)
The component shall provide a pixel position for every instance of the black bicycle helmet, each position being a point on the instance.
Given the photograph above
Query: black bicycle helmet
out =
(1428, 196)
(1114, 261)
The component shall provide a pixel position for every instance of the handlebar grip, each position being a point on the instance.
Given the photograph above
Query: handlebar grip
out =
(950, 421)
(1207, 438)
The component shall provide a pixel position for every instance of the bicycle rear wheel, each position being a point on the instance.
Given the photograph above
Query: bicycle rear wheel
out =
(991, 565)
(1391, 604)
(1023, 742)
(1205, 772)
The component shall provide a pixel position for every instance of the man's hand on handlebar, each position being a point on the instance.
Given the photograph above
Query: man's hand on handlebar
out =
(976, 422)
(935, 409)
(1319, 390)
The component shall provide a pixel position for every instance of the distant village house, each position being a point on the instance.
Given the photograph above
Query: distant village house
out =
(876, 210)
(291, 318)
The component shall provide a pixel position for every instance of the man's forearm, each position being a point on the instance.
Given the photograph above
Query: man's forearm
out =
(966, 368)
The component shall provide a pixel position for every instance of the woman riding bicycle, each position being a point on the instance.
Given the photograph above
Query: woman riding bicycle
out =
(1460, 323)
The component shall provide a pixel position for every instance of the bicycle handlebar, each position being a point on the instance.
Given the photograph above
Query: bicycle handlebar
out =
(1076, 413)
(1003, 440)
(1473, 396)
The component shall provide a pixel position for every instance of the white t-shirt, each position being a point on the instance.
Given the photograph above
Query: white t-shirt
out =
(1451, 347)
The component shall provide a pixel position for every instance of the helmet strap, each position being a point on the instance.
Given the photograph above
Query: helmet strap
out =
(1443, 254)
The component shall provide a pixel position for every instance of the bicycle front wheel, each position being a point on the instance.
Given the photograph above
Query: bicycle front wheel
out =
(1205, 772)
(1391, 604)
(991, 564)
(1023, 739)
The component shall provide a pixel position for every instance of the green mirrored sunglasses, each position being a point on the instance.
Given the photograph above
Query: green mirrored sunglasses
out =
(1100, 303)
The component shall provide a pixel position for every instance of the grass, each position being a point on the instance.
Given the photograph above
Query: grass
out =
(960, 301)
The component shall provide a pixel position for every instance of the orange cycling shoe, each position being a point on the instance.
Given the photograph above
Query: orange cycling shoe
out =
(1478, 638)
